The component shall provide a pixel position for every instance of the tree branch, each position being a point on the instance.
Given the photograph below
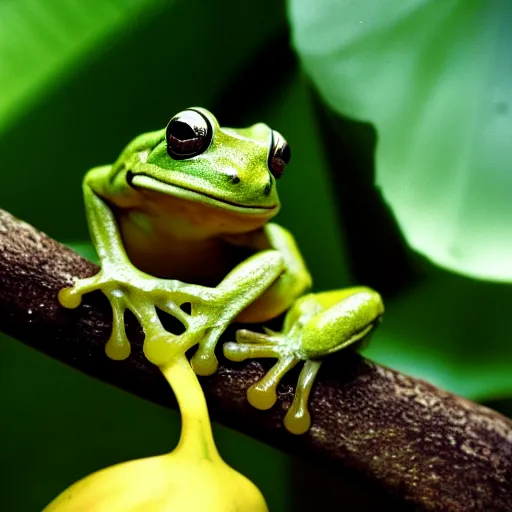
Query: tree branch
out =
(429, 448)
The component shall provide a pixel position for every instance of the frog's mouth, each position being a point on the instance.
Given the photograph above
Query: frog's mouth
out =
(147, 182)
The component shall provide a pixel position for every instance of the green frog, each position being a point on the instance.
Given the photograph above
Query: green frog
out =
(182, 223)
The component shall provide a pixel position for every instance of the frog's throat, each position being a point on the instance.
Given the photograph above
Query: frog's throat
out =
(144, 181)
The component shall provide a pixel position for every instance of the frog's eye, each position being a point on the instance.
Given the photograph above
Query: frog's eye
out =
(279, 155)
(188, 134)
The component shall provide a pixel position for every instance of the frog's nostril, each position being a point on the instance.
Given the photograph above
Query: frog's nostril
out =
(233, 178)
(268, 188)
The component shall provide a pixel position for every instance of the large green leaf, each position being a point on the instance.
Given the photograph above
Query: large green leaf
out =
(434, 77)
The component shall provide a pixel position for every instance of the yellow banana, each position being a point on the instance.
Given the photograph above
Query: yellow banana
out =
(192, 478)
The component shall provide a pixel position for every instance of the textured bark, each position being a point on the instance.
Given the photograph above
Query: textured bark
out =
(429, 449)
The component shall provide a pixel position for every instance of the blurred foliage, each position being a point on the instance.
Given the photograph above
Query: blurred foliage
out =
(434, 78)
(42, 42)
(107, 71)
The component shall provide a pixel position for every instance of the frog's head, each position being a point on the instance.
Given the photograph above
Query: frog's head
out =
(195, 166)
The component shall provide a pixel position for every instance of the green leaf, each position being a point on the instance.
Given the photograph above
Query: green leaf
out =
(435, 79)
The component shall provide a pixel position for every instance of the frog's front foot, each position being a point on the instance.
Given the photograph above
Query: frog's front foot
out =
(286, 349)
(130, 289)
(209, 310)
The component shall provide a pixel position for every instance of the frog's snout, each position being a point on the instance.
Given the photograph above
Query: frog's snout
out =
(234, 179)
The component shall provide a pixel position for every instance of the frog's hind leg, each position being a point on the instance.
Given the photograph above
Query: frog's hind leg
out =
(317, 325)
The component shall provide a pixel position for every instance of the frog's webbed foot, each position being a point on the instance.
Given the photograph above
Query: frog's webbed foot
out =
(315, 326)
(130, 289)
(211, 309)
(262, 395)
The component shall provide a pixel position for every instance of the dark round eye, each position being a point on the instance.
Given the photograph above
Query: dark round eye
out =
(188, 134)
(279, 155)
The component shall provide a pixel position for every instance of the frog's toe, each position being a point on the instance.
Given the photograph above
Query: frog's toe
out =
(297, 419)
(204, 362)
(262, 395)
(244, 336)
(242, 351)
(71, 297)
(118, 345)
(252, 345)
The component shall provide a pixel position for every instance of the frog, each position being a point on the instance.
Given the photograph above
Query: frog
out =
(182, 223)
